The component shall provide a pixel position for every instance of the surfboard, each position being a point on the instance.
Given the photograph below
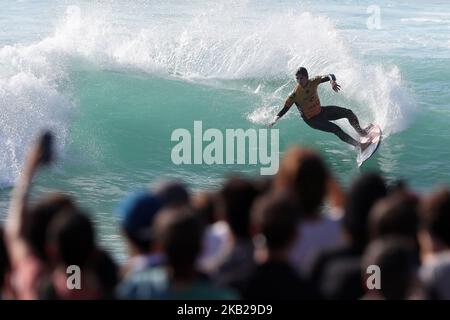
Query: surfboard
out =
(374, 136)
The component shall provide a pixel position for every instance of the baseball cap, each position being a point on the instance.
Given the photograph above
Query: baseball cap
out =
(136, 213)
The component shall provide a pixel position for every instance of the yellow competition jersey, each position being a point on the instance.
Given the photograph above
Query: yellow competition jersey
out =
(306, 99)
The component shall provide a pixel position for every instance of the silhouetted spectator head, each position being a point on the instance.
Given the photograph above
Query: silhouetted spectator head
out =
(398, 186)
(276, 217)
(364, 193)
(396, 214)
(304, 173)
(106, 272)
(435, 218)
(263, 184)
(237, 197)
(205, 204)
(398, 263)
(136, 214)
(180, 233)
(5, 265)
(71, 238)
(342, 280)
(172, 193)
(38, 218)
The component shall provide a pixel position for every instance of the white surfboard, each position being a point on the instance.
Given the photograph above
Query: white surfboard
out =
(374, 136)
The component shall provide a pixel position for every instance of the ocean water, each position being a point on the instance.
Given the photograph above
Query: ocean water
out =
(114, 79)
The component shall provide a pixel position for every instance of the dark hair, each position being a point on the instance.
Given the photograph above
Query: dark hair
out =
(237, 197)
(141, 242)
(435, 215)
(180, 232)
(364, 193)
(302, 71)
(276, 217)
(398, 262)
(106, 272)
(396, 214)
(205, 204)
(304, 173)
(172, 193)
(72, 235)
(38, 218)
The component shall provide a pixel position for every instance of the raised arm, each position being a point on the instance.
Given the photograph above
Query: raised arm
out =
(39, 155)
(331, 77)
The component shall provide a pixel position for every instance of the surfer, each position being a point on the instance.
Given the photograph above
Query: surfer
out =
(319, 117)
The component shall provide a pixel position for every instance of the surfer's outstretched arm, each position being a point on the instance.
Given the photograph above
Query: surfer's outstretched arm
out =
(329, 77)
(279, 115)
(332, 78)
(287, 105)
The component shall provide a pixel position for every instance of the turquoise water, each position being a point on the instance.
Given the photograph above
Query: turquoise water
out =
(114, 79)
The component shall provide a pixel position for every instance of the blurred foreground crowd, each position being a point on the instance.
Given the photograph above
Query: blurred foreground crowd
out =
(297, 235)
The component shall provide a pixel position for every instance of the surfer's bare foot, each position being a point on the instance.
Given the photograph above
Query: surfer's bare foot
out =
(364, 145)
(366, 130)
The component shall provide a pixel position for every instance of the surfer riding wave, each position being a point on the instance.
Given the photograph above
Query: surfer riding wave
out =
(319, 117)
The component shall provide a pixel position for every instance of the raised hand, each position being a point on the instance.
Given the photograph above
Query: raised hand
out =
(335, 86)
(272, 123)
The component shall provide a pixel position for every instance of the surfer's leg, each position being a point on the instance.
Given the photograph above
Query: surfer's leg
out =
(322, 124)
(334, 113)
